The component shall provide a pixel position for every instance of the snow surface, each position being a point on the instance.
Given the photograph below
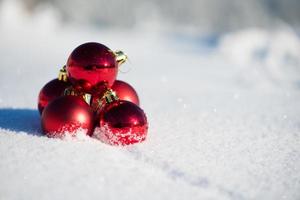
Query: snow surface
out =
(223, 115)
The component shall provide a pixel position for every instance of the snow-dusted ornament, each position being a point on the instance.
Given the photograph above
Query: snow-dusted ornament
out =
(87, 98)
(121, 122)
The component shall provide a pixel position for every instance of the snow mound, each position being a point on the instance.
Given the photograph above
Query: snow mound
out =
(275, 53)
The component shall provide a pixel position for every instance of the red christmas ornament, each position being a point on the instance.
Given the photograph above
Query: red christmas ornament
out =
(122, 123)
(51, 91)
(93, 64)
(125, 92)
(66, 115)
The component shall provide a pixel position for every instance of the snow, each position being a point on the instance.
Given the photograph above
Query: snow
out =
(224, 119)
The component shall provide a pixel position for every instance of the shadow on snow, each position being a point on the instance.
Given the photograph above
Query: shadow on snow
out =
(21, 120)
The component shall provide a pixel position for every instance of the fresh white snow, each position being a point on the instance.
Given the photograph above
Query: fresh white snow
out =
(224, 119)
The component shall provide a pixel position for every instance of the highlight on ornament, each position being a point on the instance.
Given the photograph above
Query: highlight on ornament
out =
(86, 97)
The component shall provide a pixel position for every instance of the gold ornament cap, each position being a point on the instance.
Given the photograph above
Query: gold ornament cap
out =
(121, 57)
(62, 75)
(70, 91)
(110, 96)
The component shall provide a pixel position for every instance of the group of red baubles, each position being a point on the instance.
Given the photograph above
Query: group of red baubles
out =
(86, 97)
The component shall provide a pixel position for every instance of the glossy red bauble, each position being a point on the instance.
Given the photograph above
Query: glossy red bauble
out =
(122, 123)
(67, 115)
(92, 63)
(125, 92)
(51, 91)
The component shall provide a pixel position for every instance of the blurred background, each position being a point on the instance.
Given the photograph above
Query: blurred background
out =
(201, 15)
(218, 44)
